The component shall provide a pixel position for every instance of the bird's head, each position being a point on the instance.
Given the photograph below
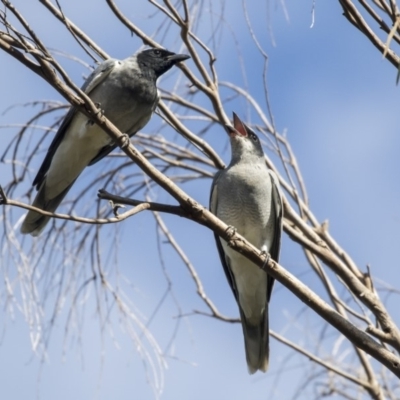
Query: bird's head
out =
(245, 143)
(159, 60)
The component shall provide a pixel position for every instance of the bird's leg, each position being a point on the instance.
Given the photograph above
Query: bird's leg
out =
(268, 257)
(231, 231)
(124, 141)
(99, 109)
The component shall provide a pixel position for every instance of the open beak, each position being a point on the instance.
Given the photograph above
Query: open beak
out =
(238, 128)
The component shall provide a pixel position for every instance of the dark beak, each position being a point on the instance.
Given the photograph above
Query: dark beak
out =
(178, 58)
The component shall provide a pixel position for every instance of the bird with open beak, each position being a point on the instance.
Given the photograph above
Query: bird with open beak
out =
(246, 196)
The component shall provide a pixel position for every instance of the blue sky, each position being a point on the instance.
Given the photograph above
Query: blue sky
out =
(336, 99)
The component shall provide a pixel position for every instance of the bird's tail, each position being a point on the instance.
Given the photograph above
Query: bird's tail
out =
(256, 341)
(34, 223)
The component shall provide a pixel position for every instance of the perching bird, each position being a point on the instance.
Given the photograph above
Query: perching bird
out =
(246, 196)
(126, 92)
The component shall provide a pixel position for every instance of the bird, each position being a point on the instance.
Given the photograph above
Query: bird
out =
(246, 196)
(126, 92)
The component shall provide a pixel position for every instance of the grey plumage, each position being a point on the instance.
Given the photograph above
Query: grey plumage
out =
(246, 196)
(126, 92)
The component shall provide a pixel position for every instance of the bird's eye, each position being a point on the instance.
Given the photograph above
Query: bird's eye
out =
(254, 137)
(157, 52)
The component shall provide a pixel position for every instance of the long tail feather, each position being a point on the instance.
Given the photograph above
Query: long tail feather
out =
(34, 223)
(256, 340)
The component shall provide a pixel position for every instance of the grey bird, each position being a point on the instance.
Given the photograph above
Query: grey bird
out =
(126, 92)
(246, 196)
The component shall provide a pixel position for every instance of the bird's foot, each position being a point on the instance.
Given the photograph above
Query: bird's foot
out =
(99, 109)
(231, 231)
(267, 258)
(124, 141)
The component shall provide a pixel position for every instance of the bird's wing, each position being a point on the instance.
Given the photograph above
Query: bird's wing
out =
(94, 80)
(135, 108)
(278, 211)
(98, 75)
(225, 261)
(111, 146)
(103, 152)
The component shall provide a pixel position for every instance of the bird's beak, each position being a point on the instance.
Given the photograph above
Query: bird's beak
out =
(239, 126)
(232, 132)
(178, 58)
